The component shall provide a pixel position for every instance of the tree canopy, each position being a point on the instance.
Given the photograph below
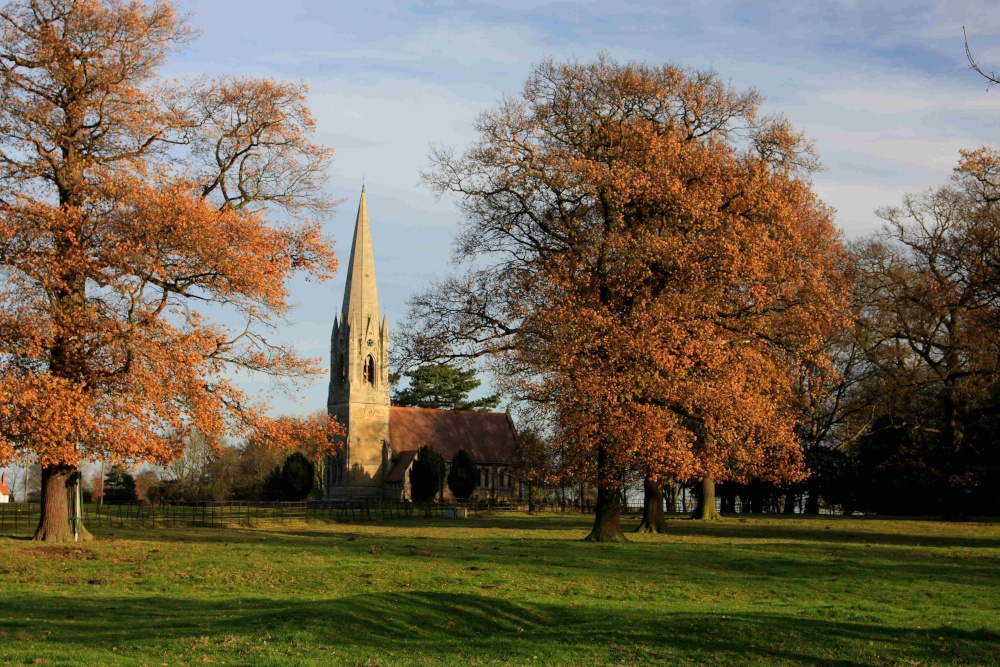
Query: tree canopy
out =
(119, 487)
(427, 475)
(132, 211)
(443, 386)
(292, 480)
(463, 476)
(647, 265)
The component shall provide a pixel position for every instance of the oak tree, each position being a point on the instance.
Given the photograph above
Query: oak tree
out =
(139, 266)
(646, 258)
(928, 302)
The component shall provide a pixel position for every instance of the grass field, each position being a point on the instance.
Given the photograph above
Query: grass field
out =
(509, 591)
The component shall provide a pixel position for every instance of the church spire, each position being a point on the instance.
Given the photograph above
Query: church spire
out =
(359, 375)
(361, 294)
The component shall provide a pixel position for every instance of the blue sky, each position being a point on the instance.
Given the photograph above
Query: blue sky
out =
(882, 88)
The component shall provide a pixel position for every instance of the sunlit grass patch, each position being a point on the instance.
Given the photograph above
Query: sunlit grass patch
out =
(509, 591)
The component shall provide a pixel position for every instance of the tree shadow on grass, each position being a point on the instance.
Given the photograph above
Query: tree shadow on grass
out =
(450, 626)
(813, 530)
(735, 552)
(850, 530)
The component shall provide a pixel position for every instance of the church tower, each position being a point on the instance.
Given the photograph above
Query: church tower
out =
(359, 376)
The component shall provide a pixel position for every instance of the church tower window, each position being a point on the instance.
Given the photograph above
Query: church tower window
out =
(370, 370)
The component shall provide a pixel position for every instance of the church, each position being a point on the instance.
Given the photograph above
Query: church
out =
(382, 440)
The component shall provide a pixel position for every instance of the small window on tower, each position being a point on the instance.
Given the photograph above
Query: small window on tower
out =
(370, 370)
(343, 370)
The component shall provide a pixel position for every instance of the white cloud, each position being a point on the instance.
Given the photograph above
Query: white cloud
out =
(882, 88)
(856, 203)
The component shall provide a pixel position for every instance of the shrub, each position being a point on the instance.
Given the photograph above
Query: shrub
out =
(463, 478)
(426, 475)
(293, 480)
(119, 487)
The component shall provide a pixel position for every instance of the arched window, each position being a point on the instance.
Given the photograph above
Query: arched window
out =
(343, 370)
(370, 370)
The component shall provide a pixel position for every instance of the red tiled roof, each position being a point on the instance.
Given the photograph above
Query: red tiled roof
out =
(3, 485)
(399, 469)
(486, 436)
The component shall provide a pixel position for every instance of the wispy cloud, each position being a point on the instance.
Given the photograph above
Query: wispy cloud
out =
(882, 88)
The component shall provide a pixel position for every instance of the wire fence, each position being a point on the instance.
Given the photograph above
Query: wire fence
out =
(14, 516)
(19, 517)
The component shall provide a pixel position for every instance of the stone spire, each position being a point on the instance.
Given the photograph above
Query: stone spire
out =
(360, 307)
(359, 376)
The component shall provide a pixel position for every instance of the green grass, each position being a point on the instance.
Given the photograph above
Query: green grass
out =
(509, 591)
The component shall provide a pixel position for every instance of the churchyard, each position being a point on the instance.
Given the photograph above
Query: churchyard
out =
(507, 590)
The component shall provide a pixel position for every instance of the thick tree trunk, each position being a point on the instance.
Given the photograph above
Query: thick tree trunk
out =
(705, 511)
(54, 525)
(653, 520)
(956, 494)
(607, 517)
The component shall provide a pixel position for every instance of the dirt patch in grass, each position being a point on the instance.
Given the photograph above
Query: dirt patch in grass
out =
(52, 552)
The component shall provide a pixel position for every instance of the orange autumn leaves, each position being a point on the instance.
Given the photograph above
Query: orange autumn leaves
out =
(139, 268)
(681, 347)
(648, 264)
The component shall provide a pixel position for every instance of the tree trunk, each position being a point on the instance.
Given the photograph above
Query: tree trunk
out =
(672, 493)
(607, 508)
(955, 492)
(812, 502)
(653, 520)
(790, 502)
(54, 525)
(705, 511)
(607, 517)
(728, 500)
(531, 499)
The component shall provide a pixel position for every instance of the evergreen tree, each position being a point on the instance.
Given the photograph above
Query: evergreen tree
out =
(293, 480)
(463, 478)
(426, 475)
(271, 489)
(297, 476)
(119, 487)
(443, 386)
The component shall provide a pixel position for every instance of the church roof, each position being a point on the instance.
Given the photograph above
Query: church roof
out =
(395, 475)
(486, 436)
(361, 292)
(4, 491)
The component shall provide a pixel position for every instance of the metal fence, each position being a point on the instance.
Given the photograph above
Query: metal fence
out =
(21, 516)
(15, 516)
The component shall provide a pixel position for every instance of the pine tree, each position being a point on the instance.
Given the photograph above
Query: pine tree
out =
(443, 386)
(119, 487)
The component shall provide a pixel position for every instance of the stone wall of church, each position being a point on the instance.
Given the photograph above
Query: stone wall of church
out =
(367, 435)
